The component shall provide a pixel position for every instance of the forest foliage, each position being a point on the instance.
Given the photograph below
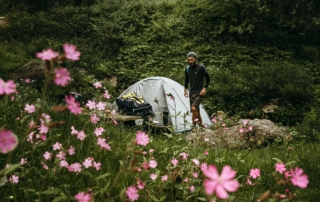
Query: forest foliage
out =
(255, 50)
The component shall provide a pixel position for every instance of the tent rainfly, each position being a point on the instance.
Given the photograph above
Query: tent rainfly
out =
(158, 88)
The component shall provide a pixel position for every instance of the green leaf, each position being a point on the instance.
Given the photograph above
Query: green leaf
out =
(52, 191)
(201, 199)
(164, 151)
(59, 198)
(278, 160)
(10, 168)
(103, 176)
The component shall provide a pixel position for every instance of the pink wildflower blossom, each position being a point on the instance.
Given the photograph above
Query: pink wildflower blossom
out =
(91, 104)
(99, 131)
(87, 162)
(97, 165)
(76, 167)
(94, 119)
(164, 178)
(153, 176)
(8, 141)
(140, 184)
(71, 52)
(30, 108)
(81, 135)
(27, 80)
(220, 184)
(97, 84)
(71, 151)
(82, 197)
(174, 161)
(43, 129)
(47, 54)
(280, 167)
(47, 155)
(192, 188)
(73, 106)
(64, 163)
(254, 173)
(101, 106)
(14, 179)
(23, 161)
(184, 156)
(61, 155)
(106, 94)
(132, 193)
(73, 131)
(153, 164)
(298, 178)
(142, 138)
(56, 146)
(196, 161)
(62, 76)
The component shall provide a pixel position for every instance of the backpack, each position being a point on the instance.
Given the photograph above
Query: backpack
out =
(132, 104)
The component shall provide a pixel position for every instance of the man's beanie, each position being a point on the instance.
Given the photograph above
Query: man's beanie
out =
(192, 54)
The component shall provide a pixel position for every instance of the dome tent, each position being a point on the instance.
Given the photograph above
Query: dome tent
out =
(157, 88)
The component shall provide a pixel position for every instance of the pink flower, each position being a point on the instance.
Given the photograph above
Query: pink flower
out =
(174, 161)
(71, 52)
(14, 179)
(43, 129)
(164, 178)
(244, 122)
(73, 106)
(56, 146)
(81, 135)
(27, 80)
(62, 76)
(94, 119)
(184, 156)
(142, 138)
(7, 88)
(280, 167)
(97, 165)
(220, 184)
(47, 155)
(132, 193)
(71, 151)
(82, 197)
(192, 188)
(195, 175)
(76, 167)
(91, 104)
(196, 161)
(30, 108)
(214, 120)
(101, 106)
(47, 55)
(97, 84)
(23, 161)
(153, 163)
(8, 141)
(73, 131)
(140, 184)
(99, 131)
(153, 176)
(250, 128)
(106, 94)
(64, 163)
(298, 178)
(206, 153)
(87, 162)
(145, 165)
(254, 173)
(61, 155)
(241, 130)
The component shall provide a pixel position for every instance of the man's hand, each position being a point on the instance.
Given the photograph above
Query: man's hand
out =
(186, 93)
(203, 92)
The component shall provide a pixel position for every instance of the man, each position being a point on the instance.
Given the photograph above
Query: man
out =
(195, 74)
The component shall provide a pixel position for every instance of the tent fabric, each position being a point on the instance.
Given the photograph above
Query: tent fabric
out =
(158, 88)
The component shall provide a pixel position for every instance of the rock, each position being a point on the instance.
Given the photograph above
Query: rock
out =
(33, 70)
(263, 132)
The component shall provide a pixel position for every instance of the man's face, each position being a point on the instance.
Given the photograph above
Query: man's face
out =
(192, 61)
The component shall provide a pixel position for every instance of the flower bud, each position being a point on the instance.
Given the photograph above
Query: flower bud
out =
(59, 108)
(265, 195)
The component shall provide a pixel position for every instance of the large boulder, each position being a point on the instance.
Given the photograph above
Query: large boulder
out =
(33, 70)
(263, 132)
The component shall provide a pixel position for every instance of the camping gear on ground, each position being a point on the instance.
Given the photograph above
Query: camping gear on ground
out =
(156, 90)
(165, 117)
(132, 104)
